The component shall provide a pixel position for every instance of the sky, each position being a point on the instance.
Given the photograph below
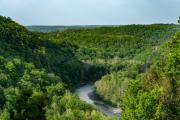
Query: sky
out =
(91, 12)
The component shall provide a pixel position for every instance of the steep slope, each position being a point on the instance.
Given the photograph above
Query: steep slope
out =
(155, 95)
(34, 74)
(58, 57)
(150, 95)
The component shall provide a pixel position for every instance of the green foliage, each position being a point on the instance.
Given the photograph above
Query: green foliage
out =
(138, 104)
(69, 108)
(116, 81)
(37, 71)
(5, 115)
(147, 87)
(110, 42)
(33, 72)
(156, 94)
(56, 58)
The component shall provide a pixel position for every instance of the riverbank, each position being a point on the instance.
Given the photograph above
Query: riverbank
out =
(86, 93)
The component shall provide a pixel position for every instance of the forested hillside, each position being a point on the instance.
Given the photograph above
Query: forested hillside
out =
(149, 90)
(35, 75)
(107, 43)
(155, 94)
(137, 68)
(55, 57)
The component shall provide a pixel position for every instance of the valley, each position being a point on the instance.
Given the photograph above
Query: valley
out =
(135, 71)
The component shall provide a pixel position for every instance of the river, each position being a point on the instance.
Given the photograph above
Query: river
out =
(86, 94)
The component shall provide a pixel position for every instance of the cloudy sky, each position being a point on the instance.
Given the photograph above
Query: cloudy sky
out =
(90, 12)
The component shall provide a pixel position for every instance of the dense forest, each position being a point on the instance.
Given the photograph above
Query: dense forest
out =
(36, 76)
(134, 67)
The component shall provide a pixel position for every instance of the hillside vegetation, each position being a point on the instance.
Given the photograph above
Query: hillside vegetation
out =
(36, 75)
(155, 94)
(137, 68)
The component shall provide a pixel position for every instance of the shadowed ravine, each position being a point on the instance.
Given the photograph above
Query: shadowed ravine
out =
(86, 94)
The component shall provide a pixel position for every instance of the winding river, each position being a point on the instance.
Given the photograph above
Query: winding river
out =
(86, 94)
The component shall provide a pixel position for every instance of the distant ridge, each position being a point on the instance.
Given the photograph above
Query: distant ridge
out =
(46, 28)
